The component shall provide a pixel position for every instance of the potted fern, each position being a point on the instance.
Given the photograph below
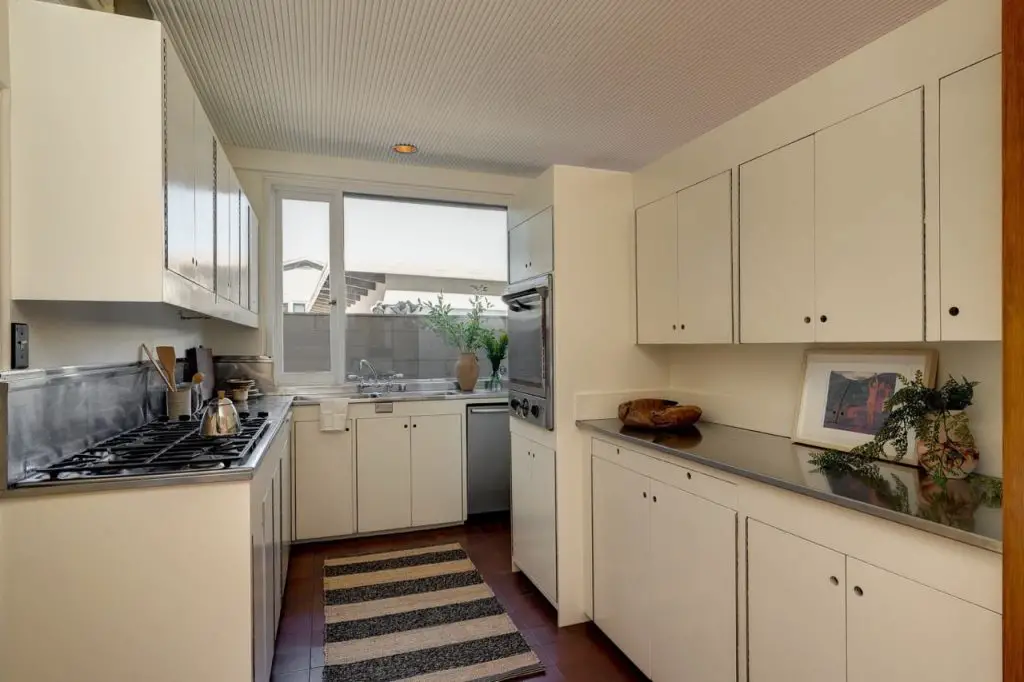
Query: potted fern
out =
(945, 445)
(468, 334)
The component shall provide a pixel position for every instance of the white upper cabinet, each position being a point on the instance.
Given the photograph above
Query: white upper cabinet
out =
(656, 296)
(205, 200)
(531, 247)
(180, 166)
(869, 225)
(704, 255)
(117, 205)
(970, 203)
(879, 604)
(254, 262)
(684, 265)
(776, 229)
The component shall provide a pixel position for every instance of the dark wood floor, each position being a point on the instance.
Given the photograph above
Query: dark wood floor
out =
(580, 652)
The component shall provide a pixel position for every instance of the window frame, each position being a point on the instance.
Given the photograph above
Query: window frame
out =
(311, 188)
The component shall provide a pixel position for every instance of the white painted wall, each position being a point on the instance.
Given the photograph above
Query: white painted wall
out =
(76, 333)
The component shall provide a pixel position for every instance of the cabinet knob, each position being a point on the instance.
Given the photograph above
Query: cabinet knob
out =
(645, 495)
(807, 319)
(954, 311)
(414, 426)
(673, 326)
(823, 318)
(655, 497)
(857, 591)
(682, 326)
(834, 580)
(689, 475)
(405, 426)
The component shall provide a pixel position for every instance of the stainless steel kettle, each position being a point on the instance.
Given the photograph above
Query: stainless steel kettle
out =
(221, 418)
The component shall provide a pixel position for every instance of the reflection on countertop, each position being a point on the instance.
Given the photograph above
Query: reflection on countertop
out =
(969, 510)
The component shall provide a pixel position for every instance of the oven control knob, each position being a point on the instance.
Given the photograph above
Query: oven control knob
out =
(535, 410)
(524, 407)
(515, 404)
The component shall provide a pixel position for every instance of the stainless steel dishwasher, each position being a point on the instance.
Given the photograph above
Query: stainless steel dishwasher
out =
(489, 467)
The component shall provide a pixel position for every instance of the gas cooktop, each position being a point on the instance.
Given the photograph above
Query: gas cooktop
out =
(159, 447)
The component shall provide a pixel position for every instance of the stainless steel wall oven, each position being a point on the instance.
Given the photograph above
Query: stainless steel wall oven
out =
(530, 307)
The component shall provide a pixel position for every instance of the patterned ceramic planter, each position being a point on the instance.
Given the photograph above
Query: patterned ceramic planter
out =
(954, 455)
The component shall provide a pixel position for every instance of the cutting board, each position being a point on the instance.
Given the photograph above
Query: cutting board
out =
(200, 359)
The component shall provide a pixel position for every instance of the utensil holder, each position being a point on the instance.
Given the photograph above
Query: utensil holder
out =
(179, 403)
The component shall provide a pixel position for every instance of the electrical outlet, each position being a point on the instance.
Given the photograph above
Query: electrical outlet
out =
(19, 345)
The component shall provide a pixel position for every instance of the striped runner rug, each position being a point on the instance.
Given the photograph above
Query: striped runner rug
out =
(418, 615)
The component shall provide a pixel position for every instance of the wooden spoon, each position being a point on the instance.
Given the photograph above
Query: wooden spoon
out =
(159, 367)
(169, 359)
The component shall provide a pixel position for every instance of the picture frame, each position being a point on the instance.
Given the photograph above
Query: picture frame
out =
(843, 393)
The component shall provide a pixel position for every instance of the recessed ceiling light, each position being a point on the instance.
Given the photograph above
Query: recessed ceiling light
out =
(404, 148)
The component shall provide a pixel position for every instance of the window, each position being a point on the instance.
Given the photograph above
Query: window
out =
(401, 253)
(356, 269)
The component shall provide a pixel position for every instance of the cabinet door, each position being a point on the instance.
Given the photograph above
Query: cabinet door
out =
(656, 293)
(693, 587)
(704, 261)
(777, 246)
(898, 629)
(869, 229)
(254, 262)
(324, 482)
(970, 202)
(266, 615)
(522, 472)
(622, 559)
(540, 239)
(437, 486)
(275, 485)
(205, 232)
(383, 476)
(243, 250)
(287, 502)
(223, 223)
(234, 238)
(542, 494)
(796, 610)
(179, 166)
(518, 253)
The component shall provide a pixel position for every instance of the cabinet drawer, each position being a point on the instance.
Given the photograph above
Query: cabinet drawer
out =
(671, 471)
(606, 450)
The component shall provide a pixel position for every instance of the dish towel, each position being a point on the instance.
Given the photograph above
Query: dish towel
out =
(333, 414)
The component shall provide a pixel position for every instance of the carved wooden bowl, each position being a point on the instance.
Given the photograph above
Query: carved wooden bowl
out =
(654, 413)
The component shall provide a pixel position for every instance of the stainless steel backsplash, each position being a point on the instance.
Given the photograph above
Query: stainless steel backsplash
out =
(259, 368)
(56, 412)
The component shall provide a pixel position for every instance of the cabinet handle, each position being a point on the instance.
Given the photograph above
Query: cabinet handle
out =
(823, 318)
(834, 580)
(673, 326)
(682, 326)
(346, 429)
(616, 451)
(405, 426)
(857, 591)
(807, 319)
(655, 497)
(689, 475)
(645, 495)
(414, 426)
(954, 311)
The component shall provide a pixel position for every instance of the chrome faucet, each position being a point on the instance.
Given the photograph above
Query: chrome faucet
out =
(363, 362)
(385, 383)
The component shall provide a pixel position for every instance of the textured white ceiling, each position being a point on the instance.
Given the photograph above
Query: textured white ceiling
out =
(507, 86)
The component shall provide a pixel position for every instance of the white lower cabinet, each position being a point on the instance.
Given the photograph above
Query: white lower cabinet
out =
(796, 602)
(534, 539)
(897, 629)
(324, 482)
(409, 471)
(383, 474)
(664, 576)
(622, 559)
(437, 485)
(817, 614)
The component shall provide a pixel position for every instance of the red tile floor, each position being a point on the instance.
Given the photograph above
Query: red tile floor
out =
(578, 653)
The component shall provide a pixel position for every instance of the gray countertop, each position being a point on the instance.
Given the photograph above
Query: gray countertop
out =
(968, 511)
(277, 408)
(314, 396)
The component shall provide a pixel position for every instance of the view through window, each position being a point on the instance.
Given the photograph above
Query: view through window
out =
(398, 254)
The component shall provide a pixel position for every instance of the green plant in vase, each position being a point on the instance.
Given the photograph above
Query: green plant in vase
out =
(945, 445)
(466, 332)
(496, 345)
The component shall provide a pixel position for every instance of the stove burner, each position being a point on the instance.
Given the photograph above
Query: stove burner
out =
(159, 447)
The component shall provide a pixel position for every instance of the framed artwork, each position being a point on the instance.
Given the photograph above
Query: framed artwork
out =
(842, 404)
